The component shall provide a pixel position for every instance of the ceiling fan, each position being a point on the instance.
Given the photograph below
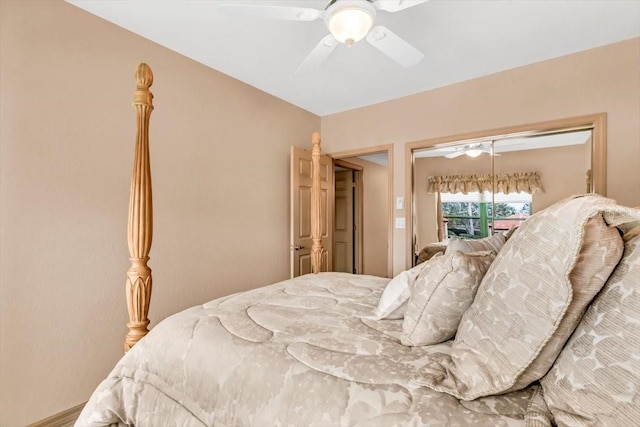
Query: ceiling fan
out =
(471, 150)
(348, 22)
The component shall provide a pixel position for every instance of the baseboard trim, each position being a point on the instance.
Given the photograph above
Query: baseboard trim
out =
(62, 419)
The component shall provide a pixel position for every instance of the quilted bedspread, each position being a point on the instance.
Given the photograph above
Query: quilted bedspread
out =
(301, 352)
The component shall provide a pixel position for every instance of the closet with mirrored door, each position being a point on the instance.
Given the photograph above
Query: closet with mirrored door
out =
(475, 185)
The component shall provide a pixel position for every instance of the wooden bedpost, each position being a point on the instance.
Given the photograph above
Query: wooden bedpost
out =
(140, 226)
(316, 206)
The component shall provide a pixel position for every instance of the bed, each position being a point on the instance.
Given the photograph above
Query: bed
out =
(543, 331)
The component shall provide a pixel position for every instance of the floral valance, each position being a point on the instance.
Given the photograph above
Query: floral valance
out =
(528, 182)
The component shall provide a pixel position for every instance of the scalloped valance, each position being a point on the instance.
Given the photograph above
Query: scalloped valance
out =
(517, 182)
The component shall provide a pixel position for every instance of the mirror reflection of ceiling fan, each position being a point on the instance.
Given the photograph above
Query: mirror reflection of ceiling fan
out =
(471, 150)
(348, 22)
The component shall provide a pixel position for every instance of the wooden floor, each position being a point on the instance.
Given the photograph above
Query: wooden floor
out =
(63, 419)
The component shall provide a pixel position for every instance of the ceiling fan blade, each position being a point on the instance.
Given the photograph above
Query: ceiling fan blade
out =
(318, 55)
(454, 154)
(488, 150)
(396, 5)
(284, 13)
(388, 42)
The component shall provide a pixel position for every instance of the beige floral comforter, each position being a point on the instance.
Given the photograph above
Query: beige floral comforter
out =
(301, 352)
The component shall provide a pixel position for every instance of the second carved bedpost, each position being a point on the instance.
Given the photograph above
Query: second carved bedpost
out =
(140, 225)
(316, 206)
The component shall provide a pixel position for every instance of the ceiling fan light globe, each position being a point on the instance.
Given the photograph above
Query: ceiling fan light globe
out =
(474, 152)
(350, 21)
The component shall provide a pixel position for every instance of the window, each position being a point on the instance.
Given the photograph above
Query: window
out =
(479, 214)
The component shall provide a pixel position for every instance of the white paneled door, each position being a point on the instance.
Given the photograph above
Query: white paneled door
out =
(301, 211)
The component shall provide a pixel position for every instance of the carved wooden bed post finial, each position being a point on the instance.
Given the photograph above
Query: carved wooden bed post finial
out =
(140, 225)
(316, 206)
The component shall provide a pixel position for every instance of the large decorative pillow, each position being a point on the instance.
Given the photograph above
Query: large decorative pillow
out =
(596, 379)
(393, 301)
(491, 243)
(441, 294)
(530, 300)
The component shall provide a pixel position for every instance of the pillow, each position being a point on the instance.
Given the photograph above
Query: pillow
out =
(491, 243)
(430, 250)
(441, 294)
(393, 301)
(538, 414)
(529, 301)
(596, 378)
(509, 232)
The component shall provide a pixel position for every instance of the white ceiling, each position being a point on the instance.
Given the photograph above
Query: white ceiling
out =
(461, 40)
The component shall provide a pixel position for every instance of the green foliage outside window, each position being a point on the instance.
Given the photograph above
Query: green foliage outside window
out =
(471, 220)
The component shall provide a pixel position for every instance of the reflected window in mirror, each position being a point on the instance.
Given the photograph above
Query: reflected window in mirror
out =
(467, 205)
(478, 215)
(444, 170)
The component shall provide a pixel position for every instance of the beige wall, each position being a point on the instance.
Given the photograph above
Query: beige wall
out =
(67, 135)
(605, 79)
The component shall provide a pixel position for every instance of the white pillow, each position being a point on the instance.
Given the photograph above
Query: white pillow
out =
(393, 301)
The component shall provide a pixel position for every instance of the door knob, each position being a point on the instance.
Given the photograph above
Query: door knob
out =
(297, 248)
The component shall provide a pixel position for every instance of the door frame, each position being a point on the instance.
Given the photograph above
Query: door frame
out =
(358, 206)
(388, 149)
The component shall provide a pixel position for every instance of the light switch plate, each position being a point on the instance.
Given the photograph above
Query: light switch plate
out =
(400, 223)
(399, 202)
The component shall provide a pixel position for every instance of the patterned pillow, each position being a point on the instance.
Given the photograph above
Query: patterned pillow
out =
(596, 378)
(530, 300)
(393, 301)
(491, 243)
(441, 295)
